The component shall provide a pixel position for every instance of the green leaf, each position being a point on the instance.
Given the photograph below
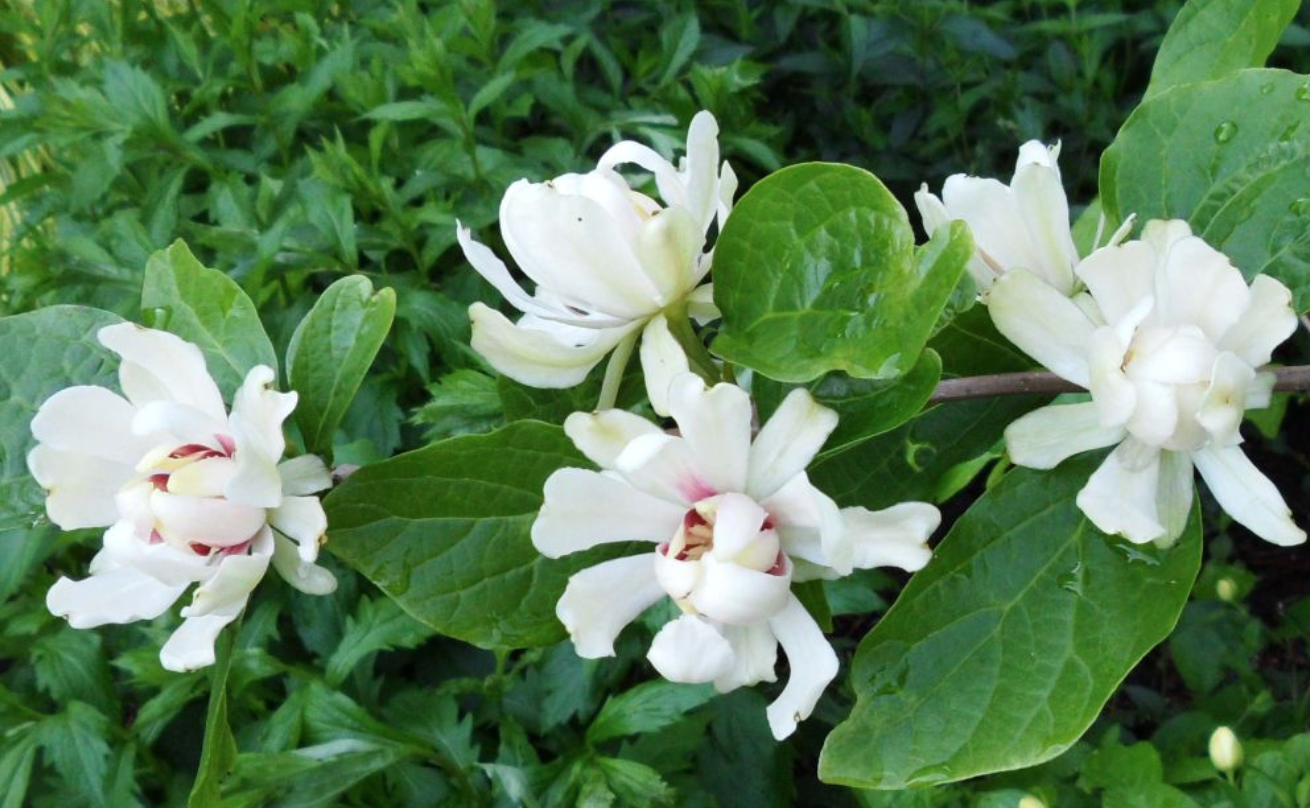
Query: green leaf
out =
(208, 308)
(635, 784)
(1003, 650)
(330, 353)
(463, 402)
(219, 753)
(817, 271)
(16, 767)
(377, 626)
(41, 353)
(1238, 179)
(75, 741)
(646, 708)
(445, 531)
(1210, 39)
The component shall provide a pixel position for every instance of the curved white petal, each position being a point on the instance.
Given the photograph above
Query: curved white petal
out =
(700, 303)
(738, 533)
(599, 601)
(1247, 495)
(80, 489)
(306, 474)
(1172, 355)
(738, 595)
(1043, 323)
(665, 467)
(258, 412)
(1043, 438)
(118, 595)
(1198, 286)
(1266, 323)
(662, 360)
(183, 520)
(91, 421)
(754, 656)
(602, 436)
(1155, 414)
(934, 215)
(191, 646)
(810, 525)
(813, 666)
(691, 651)
(532, 354)
(994, 217)
(1173, 497)
(702, 197)
(1120, 496)
(1162, 233)
(668, 245)
(159, 366)
(1120, 278)
(716, 424)
(788, 442)
(301, 519)
(1225, 402)
(183, 422)
(1113, 396)
(304, 575)
(1045, 210)
(892, 537)
(172, 566)
(237, 575)
(583, 509)
(676, 577)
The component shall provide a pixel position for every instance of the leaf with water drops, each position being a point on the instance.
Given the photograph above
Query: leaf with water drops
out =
(1003, 650)
(1211, 39)
(1241, 180)
(444, 531)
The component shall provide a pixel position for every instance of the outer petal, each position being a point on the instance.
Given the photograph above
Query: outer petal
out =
(716, 424)
(1040, 196)
(1045, 324)
(118, 595)
(1200, 287)
(192, 645)
(185, 423)
(1042, 439)
(237, 576)
(810, 525)
(691, 651)
(539, 355)
(306, 576)
(1120, 497)
(1225, 399)
(754, 655)
(662, 360)
(934, 215)
(1155, 417)
(301, 519)
(1265, 324)
(669, 245)
(788, 442)
(739, 595)
(700, 301)
(1173, 498)
(599, 601)
(665, 467)
(999, 229)
(1113, 396)
(893, 537)
(158, 366)
(702, 162)
(258, 412)
(584, 509)
(1247, 495)
(91, 421)
(813, 665)
(306, 474)
(1120, 278)
(602, 436)
(79, 489)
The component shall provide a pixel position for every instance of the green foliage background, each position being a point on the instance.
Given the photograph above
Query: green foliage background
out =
(293, 142)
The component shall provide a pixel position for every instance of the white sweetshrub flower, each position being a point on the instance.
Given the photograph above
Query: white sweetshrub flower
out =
(190, 493)
(1171, 343)
(606, 260)
(733, 521)
(1021, 226)
(1225, 750)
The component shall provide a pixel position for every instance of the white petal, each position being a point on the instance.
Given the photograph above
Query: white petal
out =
(185, 423)
(676, 577)
(1162, 233)
(665, 467)
(1173, 498)
(602, 436)
(301, 519)
(184, 520)
(172, 566)
(738, 523)
(934, 215)
(813, 665)
(237, 575)
(690, 651)
(669, 247)
(306, 474)
(202, 478)
(727, 190)
(1155, 415)
(1200, 287)
(599, 601)
(583, 509)
(702, 197)
(258, 412)
(1120, 497)
(1247, 495)
(1120, 278)
(91, 421)
(788, 442)
(1266, 323)
(1172, 355)
(1225, 399)
(892, 537)
(810, 525)
(530, 354)
(738, 595)
(159, 366)
(1261, 392)
(79, 488)
(304, 575)
(754, 655)
(716, 424)
(1043, 323)
(1042, 439)
(662, 359)
(119, 595)
(1040, 196)
(700, 304)
(993, 215)
(1113, 396)
(192, 645)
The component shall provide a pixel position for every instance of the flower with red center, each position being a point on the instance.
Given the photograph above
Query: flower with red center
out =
(191, 493)
(733, 521)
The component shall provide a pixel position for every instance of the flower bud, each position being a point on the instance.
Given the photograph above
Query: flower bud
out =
(1225, 750)
(1029, 801)
(1226, 589)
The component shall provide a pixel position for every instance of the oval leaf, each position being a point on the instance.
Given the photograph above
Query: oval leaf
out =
(817, 271)
(445, 531)
(331, 351)
(1210, 39)
(1004, 649)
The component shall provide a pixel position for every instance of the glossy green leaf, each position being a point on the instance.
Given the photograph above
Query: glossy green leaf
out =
(331, 351)
(41, 353)
(1210, 39)
(445, 531)
(1230, 156)
(1004, 649)
(817, 271)
(219, 753)
(206, 307)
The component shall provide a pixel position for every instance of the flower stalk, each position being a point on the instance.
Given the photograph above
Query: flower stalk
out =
(1039, 382)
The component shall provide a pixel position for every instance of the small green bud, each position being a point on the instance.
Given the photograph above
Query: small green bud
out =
(1226, 589)
(1225, 750)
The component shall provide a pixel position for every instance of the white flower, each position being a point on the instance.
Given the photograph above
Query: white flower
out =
(733, 522)
(1225, 750)
(607, 262)
(1023, 226)
(1170, 342)
(190, 494)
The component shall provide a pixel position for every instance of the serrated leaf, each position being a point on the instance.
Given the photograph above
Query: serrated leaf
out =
(378, 625)
(1003, 650)
(331, 352)
(206, 307)
(646, 708)
(445, 531)
(41, 353)
(817, 271)
(16, 767)
(1209, 39)
(76, 742)
(69, 664)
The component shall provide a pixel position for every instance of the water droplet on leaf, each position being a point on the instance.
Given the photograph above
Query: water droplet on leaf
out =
(1225, 132)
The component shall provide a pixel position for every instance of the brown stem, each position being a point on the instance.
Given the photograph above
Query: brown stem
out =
(1039, 382)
